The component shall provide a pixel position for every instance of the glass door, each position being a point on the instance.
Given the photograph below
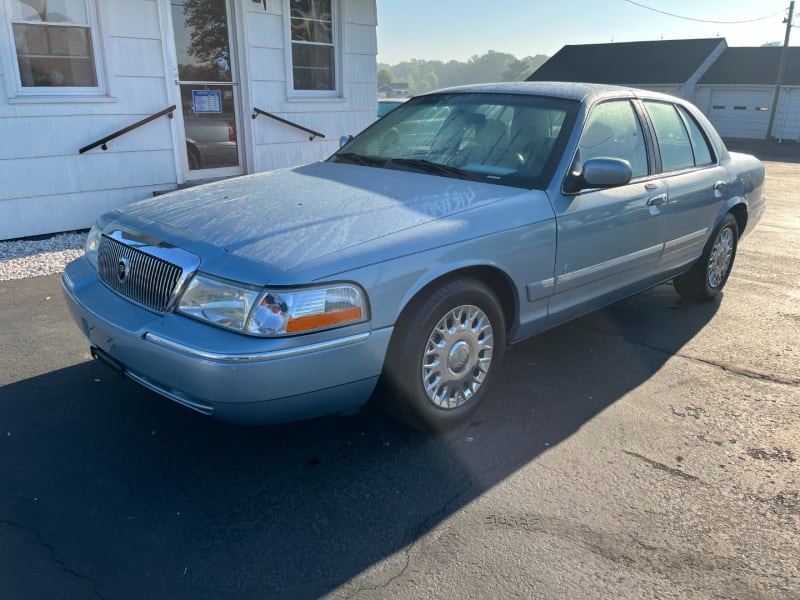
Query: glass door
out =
(208, 88)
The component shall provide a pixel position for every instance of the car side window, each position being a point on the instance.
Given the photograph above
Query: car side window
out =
(700, 146)
(672, 136)
(613, 131)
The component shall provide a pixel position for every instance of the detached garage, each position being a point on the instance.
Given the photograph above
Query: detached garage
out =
(736, 93)
(668, 66)
(734, 87)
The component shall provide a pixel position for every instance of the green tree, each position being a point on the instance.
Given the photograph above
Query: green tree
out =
(208, 27)
(424, 75)
(385, 76)
(521, 69)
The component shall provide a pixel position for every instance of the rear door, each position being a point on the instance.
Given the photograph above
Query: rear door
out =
(697, 185)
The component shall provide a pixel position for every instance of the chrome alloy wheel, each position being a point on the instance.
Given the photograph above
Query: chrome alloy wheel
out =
(457, 356)
(720, 259)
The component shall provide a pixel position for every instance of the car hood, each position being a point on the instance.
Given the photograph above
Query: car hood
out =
(287, 218)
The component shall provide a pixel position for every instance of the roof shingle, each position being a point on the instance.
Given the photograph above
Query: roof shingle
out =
(753, 66)
(628, 63)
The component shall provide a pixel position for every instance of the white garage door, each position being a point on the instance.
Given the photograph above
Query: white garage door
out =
(740, 114)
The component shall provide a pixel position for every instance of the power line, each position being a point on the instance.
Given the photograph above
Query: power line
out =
(663, 12)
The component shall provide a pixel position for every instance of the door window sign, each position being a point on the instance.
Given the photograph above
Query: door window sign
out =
(207, 101)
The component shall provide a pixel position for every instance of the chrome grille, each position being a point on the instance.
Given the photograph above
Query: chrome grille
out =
(146, 279)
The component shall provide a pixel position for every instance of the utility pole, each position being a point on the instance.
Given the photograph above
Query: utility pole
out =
(781, 69)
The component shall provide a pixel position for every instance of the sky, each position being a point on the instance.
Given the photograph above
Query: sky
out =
(458, 29)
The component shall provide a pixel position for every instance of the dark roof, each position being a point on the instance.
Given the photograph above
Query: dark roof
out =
(753, 66)
(628, 63)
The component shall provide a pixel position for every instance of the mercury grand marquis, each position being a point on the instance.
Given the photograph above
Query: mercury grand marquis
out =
(463, 221)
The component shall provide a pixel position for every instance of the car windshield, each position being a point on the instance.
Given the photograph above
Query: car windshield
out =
(496, 138)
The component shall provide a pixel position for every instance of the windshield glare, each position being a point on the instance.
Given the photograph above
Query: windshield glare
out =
(497, 138)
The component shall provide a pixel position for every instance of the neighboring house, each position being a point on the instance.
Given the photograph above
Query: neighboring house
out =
(738, 90)
(72, 73)
(669, 66)
(393, 90)
(734, 87)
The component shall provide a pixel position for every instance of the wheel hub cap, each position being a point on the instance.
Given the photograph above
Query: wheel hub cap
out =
(720, 260)
(457, 356)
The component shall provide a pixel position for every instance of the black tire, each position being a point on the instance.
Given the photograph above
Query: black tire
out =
(444, 355)
(193, 157)
(708, 275)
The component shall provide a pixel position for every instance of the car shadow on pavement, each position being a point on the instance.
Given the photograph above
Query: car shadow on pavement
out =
(125, 494)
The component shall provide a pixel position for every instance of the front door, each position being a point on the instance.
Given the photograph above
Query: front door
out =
(608, 238)
(207, 83)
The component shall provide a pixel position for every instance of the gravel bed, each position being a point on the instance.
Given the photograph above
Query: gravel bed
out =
(20, 259)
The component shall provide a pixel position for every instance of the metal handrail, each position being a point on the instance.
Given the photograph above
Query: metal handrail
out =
(102, 142)
(314, 134)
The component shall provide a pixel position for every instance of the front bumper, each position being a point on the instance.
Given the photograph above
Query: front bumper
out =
(224, 374)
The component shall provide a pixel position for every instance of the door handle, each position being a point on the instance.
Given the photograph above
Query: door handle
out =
(657, 200)
(719, 189)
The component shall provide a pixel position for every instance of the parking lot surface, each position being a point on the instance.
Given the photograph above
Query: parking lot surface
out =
(649, 450)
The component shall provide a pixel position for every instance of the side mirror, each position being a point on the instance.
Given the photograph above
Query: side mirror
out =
(599, 173)
(344, 140)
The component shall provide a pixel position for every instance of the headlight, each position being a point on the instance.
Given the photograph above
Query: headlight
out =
(272, 313)
(92, 242)
(218, 302)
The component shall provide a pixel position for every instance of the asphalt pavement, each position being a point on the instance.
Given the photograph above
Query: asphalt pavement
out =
(649, 450)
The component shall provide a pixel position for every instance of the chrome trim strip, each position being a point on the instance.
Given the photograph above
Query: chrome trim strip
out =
(264, 356)
(546, 283)
(201, 408)
(686, 238)
(614, 262)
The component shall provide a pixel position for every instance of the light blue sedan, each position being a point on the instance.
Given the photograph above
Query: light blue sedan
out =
(463, 221)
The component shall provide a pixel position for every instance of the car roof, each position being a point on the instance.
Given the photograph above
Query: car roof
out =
(557, 89)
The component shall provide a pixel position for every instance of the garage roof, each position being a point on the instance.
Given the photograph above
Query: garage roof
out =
(753, 66)
(631, 63)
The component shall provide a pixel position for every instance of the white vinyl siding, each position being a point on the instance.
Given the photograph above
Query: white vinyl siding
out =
(49, 187)
(787, 117)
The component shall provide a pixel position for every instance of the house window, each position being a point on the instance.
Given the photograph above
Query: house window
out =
(313, 45)
(54, 44)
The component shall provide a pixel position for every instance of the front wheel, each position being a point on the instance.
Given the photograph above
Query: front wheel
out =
(708, 275)
(444, 355)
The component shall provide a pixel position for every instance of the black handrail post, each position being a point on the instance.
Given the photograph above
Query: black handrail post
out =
(258, 111)
(103, 143)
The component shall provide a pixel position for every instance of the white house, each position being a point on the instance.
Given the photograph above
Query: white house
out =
(200, 89)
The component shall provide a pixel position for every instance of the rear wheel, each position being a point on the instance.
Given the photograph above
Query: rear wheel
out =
(444, 355)
(708, 275)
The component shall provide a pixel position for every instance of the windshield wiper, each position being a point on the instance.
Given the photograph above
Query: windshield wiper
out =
(427, 166)
(358, 159)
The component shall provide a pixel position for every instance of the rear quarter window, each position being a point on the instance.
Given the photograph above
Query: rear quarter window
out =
(700, 146)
